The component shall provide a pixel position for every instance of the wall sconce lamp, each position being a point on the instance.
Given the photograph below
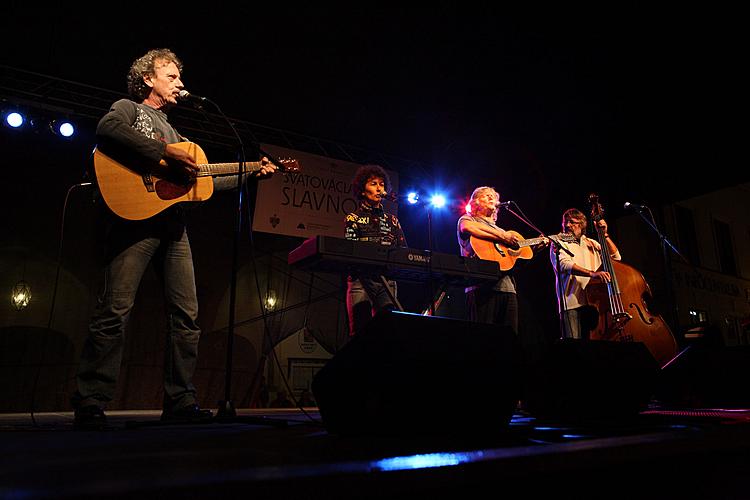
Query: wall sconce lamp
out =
(21, 295)
(271, 300)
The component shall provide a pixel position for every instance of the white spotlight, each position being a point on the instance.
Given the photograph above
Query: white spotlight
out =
(63, 128)
(437, 201)
(14, 119)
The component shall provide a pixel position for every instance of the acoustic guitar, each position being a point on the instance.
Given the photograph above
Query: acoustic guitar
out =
(136, 196)
(506, 257)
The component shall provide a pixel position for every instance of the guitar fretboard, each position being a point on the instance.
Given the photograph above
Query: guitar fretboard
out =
(530, 242)
(214, 169)
(568, 238)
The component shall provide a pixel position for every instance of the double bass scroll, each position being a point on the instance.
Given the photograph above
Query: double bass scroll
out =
(622, 304)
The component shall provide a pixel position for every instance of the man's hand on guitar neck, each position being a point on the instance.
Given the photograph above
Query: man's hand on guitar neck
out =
(542, 244)
(266, 169)
(180, 163)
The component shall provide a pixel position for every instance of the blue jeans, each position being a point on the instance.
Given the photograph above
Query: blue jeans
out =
(578, 322)
(102, 351)
(366, 296)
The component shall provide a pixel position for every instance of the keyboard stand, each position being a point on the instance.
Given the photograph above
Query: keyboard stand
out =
(390, 293)
(430, 311)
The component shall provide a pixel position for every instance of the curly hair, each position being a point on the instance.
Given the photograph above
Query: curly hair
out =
(364, 174)
(146, 65)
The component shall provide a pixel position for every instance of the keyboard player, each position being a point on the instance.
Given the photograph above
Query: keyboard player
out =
(367, 294)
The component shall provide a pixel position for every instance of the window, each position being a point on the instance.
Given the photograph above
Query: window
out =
(686, 235)
(302, 371)
(697, 316)
(724, 248)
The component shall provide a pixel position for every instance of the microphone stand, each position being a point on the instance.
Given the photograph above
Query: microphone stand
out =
(665, 256)
(430, 247)
(560, 295)
(226, 411)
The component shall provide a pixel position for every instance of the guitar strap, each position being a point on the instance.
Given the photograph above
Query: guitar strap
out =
(485, 221)
(509, 272)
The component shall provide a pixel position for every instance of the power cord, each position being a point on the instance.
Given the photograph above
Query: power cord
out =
(54, 294)
(266, 330)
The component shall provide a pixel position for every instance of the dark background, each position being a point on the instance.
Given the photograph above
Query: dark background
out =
(547, 104)
(624, 100)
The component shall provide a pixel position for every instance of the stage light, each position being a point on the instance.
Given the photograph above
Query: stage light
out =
(412, 198)
(21, 295)
(63, 128)
(14, 119)
(437, 201)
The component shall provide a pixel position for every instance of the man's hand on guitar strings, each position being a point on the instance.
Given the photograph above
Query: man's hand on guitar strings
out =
(181, 164)
(513, 241)
(542, 244)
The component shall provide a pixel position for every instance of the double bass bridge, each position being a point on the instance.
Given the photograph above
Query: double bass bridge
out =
(619, 319)
(614, 328)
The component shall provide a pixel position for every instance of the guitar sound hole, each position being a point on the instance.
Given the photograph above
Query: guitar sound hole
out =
(166, 190)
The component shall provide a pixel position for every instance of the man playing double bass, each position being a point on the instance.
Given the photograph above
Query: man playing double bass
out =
(573, 274)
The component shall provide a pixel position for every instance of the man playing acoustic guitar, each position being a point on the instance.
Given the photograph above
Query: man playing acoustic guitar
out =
(137, 131)
(496, 303)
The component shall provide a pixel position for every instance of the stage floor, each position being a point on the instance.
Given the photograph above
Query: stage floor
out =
(690, 453)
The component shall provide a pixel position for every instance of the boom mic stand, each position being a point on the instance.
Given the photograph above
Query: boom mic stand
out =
(665, 256)
(557, 246)
(226, 411)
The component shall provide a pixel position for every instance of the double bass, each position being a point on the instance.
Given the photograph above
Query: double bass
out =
(621, 303)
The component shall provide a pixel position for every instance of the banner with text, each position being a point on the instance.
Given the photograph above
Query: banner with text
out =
(312, 201)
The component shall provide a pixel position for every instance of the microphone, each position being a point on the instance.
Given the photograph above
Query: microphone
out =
(389, 197)
(504, 204)
(184, 95)
(628, 205)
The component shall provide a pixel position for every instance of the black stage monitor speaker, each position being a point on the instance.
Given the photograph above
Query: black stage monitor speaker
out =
(592, 380)
(705, 376)
(408, 374)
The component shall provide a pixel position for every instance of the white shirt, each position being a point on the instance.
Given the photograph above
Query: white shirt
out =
(586, 254)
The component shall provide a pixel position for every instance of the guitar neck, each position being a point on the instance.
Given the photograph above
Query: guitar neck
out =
(530, 242)
(564, 237)
(222, 169)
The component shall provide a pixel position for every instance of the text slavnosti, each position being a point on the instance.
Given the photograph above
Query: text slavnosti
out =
(318, 193)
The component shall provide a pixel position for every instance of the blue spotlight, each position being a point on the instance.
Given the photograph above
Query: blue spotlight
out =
(14, 119)
(63, 128)
(412, 198)
(437, 200)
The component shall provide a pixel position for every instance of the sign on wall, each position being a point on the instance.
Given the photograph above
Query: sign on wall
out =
(312, 201)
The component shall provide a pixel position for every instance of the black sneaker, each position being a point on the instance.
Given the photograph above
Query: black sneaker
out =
(90, 417)
(187, 414)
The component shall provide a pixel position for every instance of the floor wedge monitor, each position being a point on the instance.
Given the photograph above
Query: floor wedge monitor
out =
(410, 374)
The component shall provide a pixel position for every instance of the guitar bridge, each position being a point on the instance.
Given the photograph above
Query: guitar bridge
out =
(149, 183)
